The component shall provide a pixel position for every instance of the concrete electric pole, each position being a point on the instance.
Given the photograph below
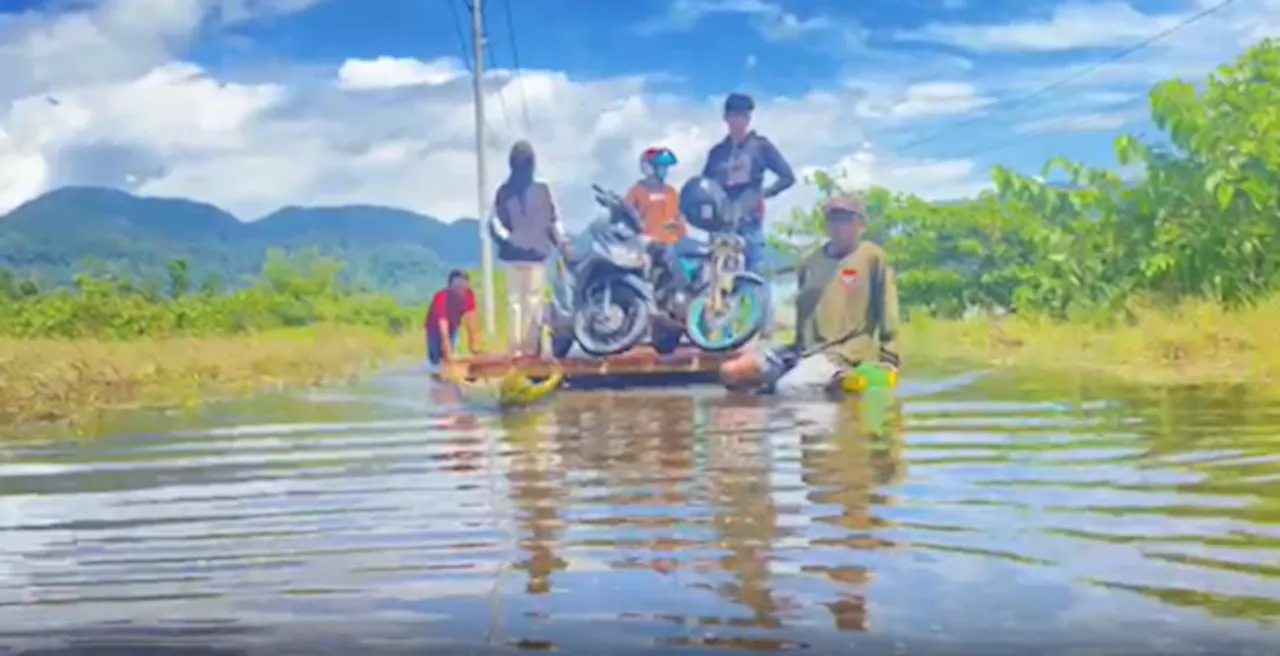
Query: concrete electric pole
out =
(482, 184)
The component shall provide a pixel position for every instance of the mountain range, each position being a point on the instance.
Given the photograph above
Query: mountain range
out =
(60, 233)
(393, 250)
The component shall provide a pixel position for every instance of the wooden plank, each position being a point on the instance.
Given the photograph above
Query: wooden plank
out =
(640, 363)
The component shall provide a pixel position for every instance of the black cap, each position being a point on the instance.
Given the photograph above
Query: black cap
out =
(739, 102)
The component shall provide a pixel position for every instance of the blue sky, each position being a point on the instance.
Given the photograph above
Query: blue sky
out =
(253, 104)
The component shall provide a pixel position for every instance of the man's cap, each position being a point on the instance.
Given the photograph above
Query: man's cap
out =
(739, 102)
(844, 207)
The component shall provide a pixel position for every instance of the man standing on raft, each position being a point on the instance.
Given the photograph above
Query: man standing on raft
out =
(738, 164)
(846, 314)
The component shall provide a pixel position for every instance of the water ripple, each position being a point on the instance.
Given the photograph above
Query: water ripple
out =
(978, 511)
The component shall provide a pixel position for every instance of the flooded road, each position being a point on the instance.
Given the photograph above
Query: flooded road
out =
(979, 513)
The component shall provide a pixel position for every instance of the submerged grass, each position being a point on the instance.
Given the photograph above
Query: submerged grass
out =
(72, 381)
(1196, 342)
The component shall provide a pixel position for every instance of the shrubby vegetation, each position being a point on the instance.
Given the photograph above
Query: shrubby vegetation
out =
(291, 291)
(1198, 222)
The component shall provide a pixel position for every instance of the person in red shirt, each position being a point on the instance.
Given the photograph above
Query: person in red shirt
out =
(451, 308)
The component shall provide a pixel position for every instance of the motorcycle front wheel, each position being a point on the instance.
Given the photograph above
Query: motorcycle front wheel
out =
(743, 318)
(612, 319)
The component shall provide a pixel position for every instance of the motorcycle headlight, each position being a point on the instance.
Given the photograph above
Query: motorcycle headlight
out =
(627, 257)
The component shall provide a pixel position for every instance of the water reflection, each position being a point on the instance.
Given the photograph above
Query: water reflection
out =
(537, 491)
(996, 512)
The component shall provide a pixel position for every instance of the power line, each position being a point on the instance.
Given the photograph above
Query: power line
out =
(1066, 124)
(1070, 78)
(1023, 137)
(493, 60)
(515, 60)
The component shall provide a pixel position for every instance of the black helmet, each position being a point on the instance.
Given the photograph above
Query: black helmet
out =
(703, 204)
(521, 155)
(739, 102)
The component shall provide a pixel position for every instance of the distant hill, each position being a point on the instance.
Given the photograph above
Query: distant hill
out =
(388, 249)
(384, 248)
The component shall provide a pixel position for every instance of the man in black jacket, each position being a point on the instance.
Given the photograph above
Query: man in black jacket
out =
(738, 164)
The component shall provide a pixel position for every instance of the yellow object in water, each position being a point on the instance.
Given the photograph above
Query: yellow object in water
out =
(863, 378)
(517, 390)
(514, 390)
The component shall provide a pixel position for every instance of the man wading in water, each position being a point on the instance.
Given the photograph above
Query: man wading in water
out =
(846, 314)
(527, 228)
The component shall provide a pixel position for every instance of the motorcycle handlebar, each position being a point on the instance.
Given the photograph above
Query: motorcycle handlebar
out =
(612, 202)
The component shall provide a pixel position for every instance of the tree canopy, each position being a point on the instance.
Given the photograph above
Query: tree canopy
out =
(1197, 218)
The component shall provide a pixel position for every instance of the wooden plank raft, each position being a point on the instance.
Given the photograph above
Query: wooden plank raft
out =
(640, 367)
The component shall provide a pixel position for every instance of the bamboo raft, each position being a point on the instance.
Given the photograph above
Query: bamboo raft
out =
(641, 367)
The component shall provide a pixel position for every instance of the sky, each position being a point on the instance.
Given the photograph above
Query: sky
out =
(257, 104)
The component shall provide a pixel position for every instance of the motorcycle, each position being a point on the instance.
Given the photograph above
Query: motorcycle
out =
(603, 300)
(701, 288)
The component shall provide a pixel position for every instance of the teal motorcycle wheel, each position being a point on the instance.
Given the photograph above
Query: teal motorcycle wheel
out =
(743, 319)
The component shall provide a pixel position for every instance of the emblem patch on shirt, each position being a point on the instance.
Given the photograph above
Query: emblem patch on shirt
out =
(849, 277)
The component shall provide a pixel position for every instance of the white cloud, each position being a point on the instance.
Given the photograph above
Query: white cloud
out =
(385, 130)
(392, 72)
(399, 131)
(1078, 25)
(926, 99)
(1199, 41)
(770, 19)
(937, 179)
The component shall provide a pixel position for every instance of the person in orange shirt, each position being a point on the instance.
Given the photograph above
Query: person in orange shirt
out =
(658, 202)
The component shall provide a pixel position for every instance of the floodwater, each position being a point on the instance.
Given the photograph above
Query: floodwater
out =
(977, 514)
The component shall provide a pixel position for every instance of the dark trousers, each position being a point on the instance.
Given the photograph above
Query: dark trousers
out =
(435, 347)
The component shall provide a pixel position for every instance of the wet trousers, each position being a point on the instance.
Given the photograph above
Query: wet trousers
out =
(526, 287)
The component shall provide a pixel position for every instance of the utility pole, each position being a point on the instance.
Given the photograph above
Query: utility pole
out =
(482, 185)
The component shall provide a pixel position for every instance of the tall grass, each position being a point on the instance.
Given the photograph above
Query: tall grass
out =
(113, 342)
(1195, 341)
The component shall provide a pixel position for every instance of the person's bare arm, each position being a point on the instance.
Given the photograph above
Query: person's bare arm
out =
(446, 346)
(558, 236)
(891, 321)
(495, 221)
(473, 333)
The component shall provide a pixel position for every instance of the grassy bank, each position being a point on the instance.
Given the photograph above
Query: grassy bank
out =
(69, 355)
(115, 341)
(44, 380)
(1198, 342)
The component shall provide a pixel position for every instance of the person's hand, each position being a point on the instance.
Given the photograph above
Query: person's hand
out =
(452, 373)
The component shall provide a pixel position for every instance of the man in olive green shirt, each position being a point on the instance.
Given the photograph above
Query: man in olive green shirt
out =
(846, 313)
